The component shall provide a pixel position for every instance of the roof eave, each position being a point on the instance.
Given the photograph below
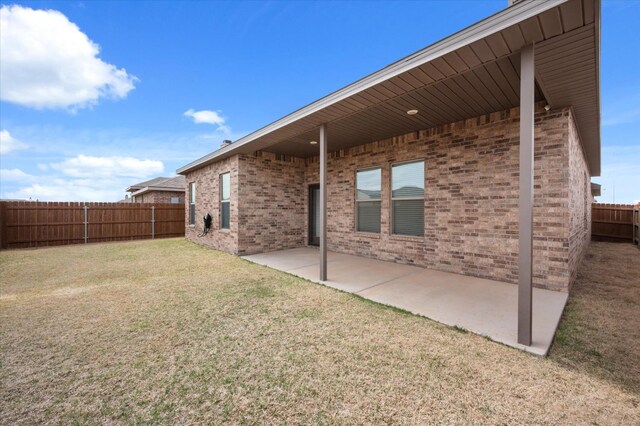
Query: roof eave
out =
(490, 25)
(157, 188)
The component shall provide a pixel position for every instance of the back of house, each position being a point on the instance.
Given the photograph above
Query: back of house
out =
(423, 161)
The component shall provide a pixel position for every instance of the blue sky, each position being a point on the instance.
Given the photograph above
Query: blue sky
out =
(171, 80)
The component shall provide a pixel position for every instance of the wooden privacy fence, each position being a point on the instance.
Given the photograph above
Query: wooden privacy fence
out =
(612, 222)
(35, 224)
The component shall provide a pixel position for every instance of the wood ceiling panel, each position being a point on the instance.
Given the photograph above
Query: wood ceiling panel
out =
(384, 91)
(456, 62)
(372, 96)
(532, 31)
(551, 23)
(469, 57)
(511, 76)
(411, 80)
(453, 99)
(421, 76)
(442, 66)
(514, 38)
(589, 12)
(472, 92)
(490, 84)
(571, 13)
(426, 110)
(431, 71)
(498, 45)
(471, 98)
(457, 86)
(398, 81)
(392, 87)
(486, 94)
(482, 51)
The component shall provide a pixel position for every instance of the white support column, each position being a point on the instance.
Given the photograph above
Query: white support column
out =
(525, 252)
(323, 202)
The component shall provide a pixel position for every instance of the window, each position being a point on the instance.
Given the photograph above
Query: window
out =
(225, 197)
(192, 203)
(175, 200)
(368, 186)
(407, 198)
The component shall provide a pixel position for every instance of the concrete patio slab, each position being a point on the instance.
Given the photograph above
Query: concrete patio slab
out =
(482, 306)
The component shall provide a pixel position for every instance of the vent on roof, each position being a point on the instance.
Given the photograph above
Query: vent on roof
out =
(512, 2)
(225, 143)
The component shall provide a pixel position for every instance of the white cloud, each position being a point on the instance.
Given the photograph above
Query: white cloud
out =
(620, 178)
(15, 175)
(8, 143)
(69, 190)
(208, 117)
(91, 167)
(47, 62)
(80, 178)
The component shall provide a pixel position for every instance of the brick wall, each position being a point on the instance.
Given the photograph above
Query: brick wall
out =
(471, 199)
(207, 181)
(580, 200)
(271, 203)
(160, 197)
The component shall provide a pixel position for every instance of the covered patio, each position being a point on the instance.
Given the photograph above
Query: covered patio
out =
(532, 55)
(482, 306)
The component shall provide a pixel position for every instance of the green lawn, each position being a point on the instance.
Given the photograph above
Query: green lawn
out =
(168, 332)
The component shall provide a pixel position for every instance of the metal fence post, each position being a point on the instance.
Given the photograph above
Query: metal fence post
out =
(153, 222)
(86, 224)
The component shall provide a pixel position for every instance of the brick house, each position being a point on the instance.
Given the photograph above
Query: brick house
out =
(158, 190)
(473, 155)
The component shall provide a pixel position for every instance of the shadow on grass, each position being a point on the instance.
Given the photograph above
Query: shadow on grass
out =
(600, 328)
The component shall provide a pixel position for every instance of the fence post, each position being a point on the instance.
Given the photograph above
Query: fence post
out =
(153, 222)
(86, 224)
(636, 224)
(3, 226)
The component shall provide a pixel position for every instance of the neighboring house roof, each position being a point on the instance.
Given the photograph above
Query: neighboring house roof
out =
(596, 189)
(173, 184)
(146, 183)
(468, 74)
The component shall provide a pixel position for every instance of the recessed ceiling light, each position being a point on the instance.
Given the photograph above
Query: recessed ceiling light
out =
(313, 142)
(412, 112)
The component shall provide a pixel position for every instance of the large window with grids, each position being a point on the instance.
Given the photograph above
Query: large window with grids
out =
(368, 196)
(192, 203)
(407, 198)
(225, 200)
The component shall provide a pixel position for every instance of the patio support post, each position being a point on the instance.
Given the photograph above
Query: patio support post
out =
(525, 246)
(323, 202)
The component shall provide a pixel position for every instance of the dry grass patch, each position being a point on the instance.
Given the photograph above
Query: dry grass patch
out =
(169, 332)
(600, 329)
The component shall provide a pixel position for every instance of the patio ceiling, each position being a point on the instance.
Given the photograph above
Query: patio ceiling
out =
(472, 72)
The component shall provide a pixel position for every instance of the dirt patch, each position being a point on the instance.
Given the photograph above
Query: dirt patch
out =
(174, 333)
(71, 291)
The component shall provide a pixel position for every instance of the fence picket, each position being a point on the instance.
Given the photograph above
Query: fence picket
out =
(612, 222)
(36, 224)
